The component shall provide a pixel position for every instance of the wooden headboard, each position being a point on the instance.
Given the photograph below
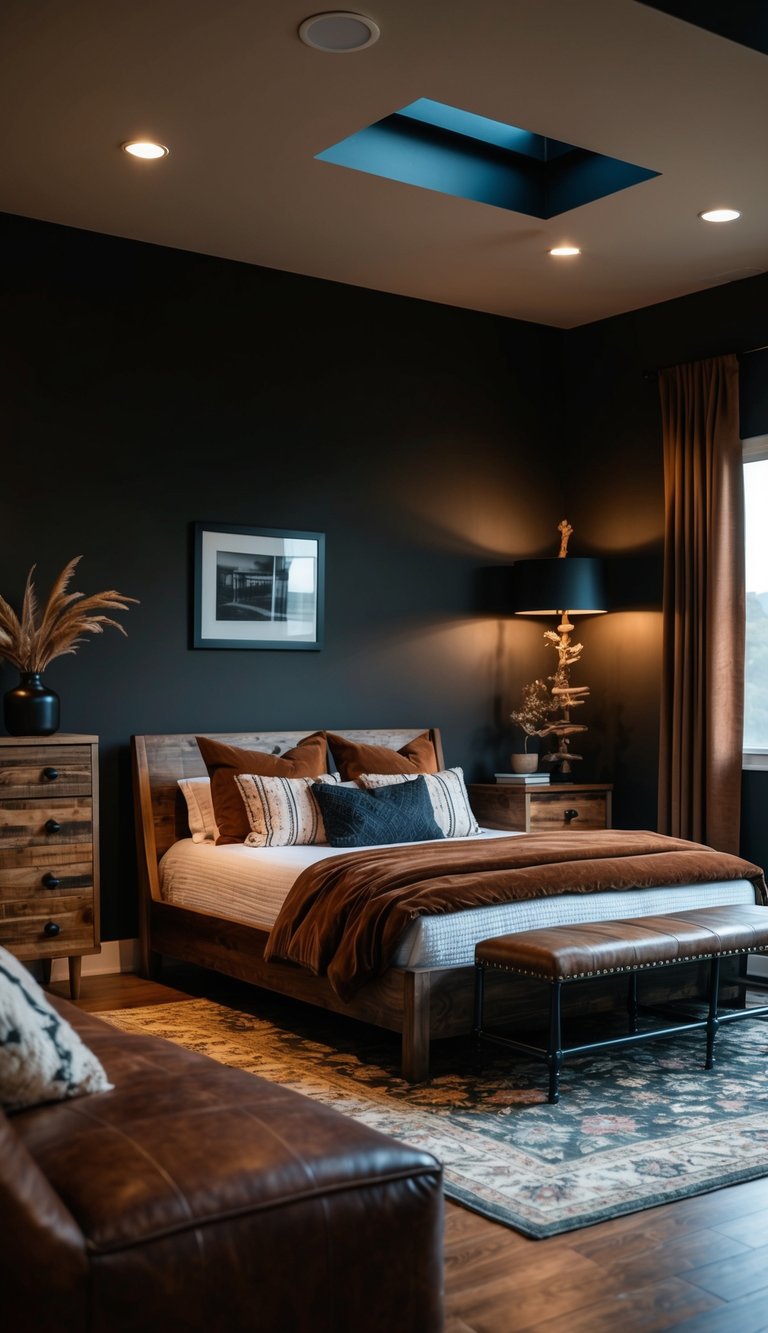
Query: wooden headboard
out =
(159, 761)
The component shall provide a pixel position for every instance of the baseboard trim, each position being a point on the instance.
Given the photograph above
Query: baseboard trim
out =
(113, 956)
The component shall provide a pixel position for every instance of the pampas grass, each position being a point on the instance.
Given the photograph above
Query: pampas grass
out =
(32, 640)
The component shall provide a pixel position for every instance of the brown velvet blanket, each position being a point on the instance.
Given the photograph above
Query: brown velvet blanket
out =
(344, 916)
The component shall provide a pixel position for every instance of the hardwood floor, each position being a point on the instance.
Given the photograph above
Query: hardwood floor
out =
(699, 1265)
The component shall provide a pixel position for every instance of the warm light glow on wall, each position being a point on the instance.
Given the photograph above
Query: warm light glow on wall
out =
(495, 510)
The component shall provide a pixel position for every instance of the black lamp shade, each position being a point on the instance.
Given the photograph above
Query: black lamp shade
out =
(547, 587)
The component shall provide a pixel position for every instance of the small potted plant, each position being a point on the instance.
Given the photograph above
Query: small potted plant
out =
(537, 706)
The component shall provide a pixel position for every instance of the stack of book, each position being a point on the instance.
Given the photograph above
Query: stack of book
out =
(523, 779)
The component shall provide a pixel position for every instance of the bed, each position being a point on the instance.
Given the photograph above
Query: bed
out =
(193, 908)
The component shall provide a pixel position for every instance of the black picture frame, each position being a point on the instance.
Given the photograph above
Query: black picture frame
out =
(258, 588)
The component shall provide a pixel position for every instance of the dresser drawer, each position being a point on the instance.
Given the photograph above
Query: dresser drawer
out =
(45, 771)
(23, 926)
(49, 849)
(46, 824)
(70, 872)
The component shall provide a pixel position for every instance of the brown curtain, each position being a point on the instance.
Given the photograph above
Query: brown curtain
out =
(702, 704)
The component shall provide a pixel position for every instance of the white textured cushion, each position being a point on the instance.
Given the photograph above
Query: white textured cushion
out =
(42, 1059)
(447, 792)
(282, 811)
(200, 816)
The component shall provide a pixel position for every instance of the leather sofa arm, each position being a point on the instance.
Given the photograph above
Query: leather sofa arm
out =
(43, 1262)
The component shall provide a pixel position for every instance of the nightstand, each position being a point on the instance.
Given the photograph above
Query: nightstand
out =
(555, 805)
(49, 837)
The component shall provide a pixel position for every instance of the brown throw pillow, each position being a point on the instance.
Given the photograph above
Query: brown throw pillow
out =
(353, 758)
(306, 760)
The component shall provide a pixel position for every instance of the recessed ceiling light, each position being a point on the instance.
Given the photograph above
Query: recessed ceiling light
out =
(720, 215)
(562, 251)
(339, 32)
(142, 148)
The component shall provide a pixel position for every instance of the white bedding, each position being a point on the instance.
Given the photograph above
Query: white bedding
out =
(249, 885)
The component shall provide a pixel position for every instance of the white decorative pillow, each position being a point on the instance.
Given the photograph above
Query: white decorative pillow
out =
(42, 1059)
(281, 811)
(447, 792)
(200, 816)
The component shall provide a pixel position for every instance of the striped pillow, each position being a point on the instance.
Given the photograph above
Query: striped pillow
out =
(281, 811)
(448, 794)
(200, 816)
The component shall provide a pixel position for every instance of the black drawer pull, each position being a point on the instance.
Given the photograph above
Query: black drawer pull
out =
(50, 881)
(52, 826)
(50, 774)
(568, 815)
(51, 929)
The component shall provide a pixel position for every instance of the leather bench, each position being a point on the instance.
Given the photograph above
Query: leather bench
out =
(563, 955)
(197, 1197)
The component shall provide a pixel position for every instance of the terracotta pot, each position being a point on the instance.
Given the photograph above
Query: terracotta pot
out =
(524, 763)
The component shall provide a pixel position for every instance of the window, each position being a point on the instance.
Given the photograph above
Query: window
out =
(756, 661)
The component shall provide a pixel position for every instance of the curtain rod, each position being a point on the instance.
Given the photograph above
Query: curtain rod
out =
(653, 374)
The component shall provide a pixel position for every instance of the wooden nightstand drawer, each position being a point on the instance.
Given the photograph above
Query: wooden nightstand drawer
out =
(556, 805)
(579, 810)
(47, 771)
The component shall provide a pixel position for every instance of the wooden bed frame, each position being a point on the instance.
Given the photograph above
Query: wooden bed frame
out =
(419, 1004)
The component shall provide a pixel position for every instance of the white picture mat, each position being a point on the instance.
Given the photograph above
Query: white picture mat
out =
(248, 630)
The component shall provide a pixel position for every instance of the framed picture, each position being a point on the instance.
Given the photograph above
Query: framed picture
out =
(258, 587)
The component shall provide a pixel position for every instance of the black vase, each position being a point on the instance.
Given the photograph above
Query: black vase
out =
(31, 709)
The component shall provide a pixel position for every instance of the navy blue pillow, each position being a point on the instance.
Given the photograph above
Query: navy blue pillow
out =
(357, 818)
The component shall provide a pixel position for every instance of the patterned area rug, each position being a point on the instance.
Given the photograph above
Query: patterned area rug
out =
(634, 1128)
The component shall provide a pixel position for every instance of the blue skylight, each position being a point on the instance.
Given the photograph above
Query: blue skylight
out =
(494, 132)
(442, 148)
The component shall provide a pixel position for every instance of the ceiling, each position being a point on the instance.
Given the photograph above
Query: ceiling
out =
(245, 108)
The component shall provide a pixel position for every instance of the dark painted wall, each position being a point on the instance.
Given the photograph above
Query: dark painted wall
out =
(615, 489)
(142, 389)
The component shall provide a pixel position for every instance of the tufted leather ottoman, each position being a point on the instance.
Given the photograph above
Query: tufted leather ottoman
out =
(562, 955)
(196, 1197)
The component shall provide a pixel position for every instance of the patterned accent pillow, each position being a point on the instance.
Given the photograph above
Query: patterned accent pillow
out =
(352, 758)
(448, 794)
(200, 816)
(42, 1059)
(281, 811)
(358, 818)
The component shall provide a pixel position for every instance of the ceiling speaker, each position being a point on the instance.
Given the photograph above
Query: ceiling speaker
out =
(339, 32)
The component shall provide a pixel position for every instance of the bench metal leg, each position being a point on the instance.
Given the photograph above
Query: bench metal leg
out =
(477, 1020)
(479, 989)
(713, 1021)
(554, 1056)
(632, 1001)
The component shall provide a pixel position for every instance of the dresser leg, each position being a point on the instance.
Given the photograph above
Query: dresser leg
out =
(75, 966)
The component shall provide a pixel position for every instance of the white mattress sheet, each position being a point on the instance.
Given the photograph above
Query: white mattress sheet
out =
(250, 884)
